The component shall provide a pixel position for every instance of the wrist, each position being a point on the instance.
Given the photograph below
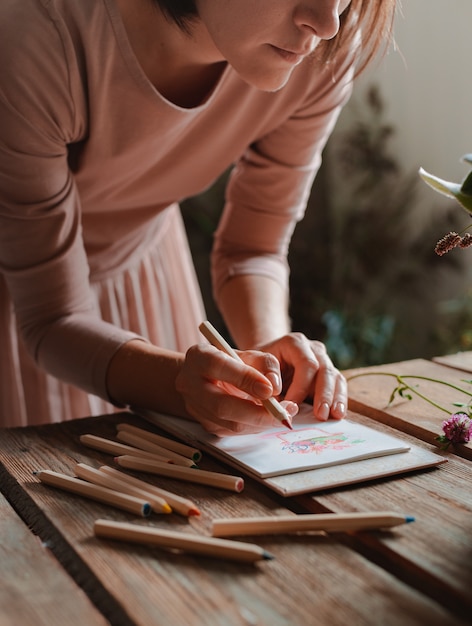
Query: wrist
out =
(142, 375)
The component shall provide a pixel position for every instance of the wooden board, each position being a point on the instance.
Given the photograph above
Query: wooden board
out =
(369, 394)
(314, 579)
(435, 553)
(34, 589)
(459, 360)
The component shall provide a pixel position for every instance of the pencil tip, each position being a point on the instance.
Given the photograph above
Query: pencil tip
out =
(166, 508)
(267, 556)
(286, 423)
(409, 519)
(194, 512)
(194, 466)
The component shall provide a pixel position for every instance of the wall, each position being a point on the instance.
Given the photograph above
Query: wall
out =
(427, 86)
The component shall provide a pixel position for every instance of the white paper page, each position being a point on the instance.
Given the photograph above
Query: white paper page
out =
(309, 445)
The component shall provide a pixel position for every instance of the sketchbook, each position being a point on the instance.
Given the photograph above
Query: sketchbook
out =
(312, 456)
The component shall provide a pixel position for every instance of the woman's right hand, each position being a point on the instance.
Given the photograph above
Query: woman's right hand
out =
(225, 395)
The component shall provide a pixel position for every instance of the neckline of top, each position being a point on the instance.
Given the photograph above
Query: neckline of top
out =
(137, 71)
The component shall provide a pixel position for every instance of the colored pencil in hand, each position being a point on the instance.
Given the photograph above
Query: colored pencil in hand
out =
(270, 404)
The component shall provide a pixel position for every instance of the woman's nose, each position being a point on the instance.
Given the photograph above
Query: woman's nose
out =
(321, 17)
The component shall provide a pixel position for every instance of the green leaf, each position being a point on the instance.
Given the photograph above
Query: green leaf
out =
(403, 392)
(466, 187)
(444, 441)
(438, 184)
(392, 396)
(452, 190)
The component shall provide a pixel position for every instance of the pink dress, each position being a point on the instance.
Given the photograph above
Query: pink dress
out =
(93, 163)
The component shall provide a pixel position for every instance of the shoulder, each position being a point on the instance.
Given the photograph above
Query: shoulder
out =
(42, 45)
(39, 31)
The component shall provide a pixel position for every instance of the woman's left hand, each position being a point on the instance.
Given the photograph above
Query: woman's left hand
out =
(308, 373)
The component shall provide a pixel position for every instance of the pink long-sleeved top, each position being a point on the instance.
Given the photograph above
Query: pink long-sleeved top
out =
(92, 163)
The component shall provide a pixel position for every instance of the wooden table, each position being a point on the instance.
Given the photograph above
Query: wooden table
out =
(54, 571)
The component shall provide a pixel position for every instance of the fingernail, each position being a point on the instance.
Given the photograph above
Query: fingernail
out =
(274, 381)
(262, 390)
(323, 411)
(340, 408)
(291, 408)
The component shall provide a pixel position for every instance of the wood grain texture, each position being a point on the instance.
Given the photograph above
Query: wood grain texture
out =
(34, 589)
(314, 579)
(434, 553)
(370, 393)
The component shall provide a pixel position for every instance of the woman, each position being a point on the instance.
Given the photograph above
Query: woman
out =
(111, 111)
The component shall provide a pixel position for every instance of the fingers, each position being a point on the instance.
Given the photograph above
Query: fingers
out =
(330, 395)
(224, 394)
(330, 387)
(216, 365)
(267, 365)
(312, 374)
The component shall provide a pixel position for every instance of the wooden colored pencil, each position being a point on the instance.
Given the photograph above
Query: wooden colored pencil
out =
(328, 522)
(169, 444)
(117, 448)
(178, 503)
(97, 477)
(104, 495)
(214, 479)
(198, 544)
(270, 404)
(149, 446)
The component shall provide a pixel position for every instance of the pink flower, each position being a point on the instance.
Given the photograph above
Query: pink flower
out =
(457, 429)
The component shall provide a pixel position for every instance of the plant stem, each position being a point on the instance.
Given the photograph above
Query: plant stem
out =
(401, 381)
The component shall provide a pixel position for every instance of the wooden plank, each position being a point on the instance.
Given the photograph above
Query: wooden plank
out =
(370, 390)
(433, 553)
(459, 360)
(34, 589)
(313, 579)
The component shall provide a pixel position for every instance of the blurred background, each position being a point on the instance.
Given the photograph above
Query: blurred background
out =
(364, 275)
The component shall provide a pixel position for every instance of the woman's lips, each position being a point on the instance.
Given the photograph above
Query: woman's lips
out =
(289, 56)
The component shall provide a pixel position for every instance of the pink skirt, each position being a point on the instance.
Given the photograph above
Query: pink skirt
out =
(156, 296)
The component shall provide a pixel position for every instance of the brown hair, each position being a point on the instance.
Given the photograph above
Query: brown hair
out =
(368, 24)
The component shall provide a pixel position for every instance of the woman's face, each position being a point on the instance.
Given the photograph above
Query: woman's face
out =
(263, 40)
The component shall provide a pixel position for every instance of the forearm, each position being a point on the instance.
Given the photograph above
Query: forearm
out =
(143, 376)
(255, 309)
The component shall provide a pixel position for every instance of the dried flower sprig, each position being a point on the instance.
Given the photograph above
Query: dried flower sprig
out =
(453, 240)
(457, 428)
(462, 192)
